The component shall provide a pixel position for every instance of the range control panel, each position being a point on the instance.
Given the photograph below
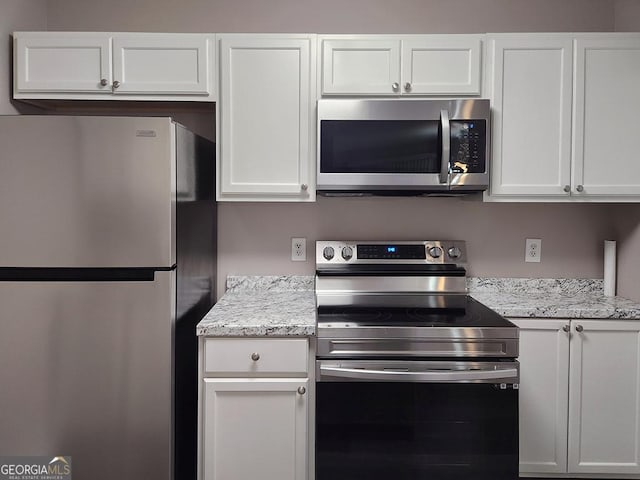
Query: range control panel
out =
(335, 252)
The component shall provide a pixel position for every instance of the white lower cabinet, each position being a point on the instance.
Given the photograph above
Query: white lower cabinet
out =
(254, 409)
(255, 428)
(579, 397)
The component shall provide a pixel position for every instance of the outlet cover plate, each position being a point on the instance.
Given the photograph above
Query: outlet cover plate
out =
(533, 250)
(299, 249)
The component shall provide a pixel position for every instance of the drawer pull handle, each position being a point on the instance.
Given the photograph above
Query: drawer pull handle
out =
(255, 356)
(302, 390)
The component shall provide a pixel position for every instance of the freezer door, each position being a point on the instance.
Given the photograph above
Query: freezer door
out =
(87, 372)
(86, 191)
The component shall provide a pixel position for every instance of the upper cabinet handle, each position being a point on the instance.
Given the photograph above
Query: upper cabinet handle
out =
(395, 86)
(407, 87)
(580, 188)
(567, 188)
(104, 82)
(116, 84)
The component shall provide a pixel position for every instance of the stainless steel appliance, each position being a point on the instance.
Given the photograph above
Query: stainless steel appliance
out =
(403, 146)
(107, 262)
(415, 379)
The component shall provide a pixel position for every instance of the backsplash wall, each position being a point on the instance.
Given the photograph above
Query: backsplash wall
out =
(255, 238)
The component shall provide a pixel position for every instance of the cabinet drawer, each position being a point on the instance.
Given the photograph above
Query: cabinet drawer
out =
(256, 356)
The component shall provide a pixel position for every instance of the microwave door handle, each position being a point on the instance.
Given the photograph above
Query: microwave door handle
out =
(446, 146)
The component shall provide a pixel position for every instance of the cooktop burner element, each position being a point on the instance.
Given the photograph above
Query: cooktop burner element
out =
(403, 299)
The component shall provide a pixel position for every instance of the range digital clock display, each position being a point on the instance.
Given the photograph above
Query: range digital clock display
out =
(391, 252)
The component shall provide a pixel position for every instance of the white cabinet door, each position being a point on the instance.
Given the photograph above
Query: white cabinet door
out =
(254, 428)
(367, 66)
(62, 62)
(161, 64)
(604, 397)
(530, 89)
(543, 397)
(266, 117)
(441, 65)
(607, 101)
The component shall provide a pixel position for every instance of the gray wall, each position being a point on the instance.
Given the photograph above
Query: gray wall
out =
(255, 238)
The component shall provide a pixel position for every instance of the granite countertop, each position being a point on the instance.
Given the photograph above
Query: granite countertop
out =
(263, 306)
(285, 305)
(551, 298)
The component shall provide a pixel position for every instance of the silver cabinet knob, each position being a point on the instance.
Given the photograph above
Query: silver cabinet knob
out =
(395, 86)
(104, 82)
(304, 187)
(255, 356)
(302, 390)
(454, 252)
(435, 252)
(566, 328)
(579, 328)
(580, 188)
(116, 84)
(567, 188)
(347, 253)
(407, 87)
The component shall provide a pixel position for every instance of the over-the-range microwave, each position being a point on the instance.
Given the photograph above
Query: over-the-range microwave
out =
(393, 146)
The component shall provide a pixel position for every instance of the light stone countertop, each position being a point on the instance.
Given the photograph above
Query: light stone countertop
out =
(285, 305)
(263, 306)
(551, 298)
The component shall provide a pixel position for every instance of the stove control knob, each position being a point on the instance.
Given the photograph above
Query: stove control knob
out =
(328, 253)
(454, 252)
(347, 253)
(435, 252)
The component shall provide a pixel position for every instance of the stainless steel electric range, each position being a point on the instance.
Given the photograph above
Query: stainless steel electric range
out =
(415, 379)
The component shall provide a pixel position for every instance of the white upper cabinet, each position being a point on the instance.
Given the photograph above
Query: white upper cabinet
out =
(605, 142)
(401, 65)
(441, 65)
(62, 62)
(266, 118)
(361, 67)
(128, 66)
(530, 88)
(172, 64)
(564, 108)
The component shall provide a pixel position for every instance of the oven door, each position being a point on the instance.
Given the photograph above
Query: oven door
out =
(417, 420)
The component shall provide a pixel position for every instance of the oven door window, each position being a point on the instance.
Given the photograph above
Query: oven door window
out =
(380, 146)
(416, 431)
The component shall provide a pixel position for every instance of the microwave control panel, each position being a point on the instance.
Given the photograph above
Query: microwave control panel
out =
(468, 146)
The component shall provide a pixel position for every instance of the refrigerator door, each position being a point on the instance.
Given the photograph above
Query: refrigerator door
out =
(87, 372)
(87, 191)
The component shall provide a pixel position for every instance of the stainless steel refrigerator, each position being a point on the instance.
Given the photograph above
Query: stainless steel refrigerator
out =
(107, 262)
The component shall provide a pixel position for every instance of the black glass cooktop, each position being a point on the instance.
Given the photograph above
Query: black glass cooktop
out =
(431, 311)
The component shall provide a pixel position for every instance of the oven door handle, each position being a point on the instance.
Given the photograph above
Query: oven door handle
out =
(506, 375)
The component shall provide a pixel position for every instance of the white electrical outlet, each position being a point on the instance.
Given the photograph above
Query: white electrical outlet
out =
(299, 249)
(533, 250)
